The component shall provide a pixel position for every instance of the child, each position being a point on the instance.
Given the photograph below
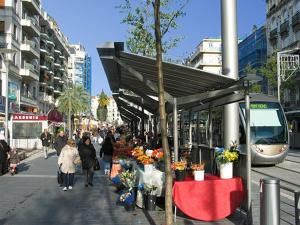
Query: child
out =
(14, 161)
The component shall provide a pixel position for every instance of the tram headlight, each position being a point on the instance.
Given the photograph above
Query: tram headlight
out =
(258, 148)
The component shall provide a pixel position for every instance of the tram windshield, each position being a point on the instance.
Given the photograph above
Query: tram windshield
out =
(267, 123)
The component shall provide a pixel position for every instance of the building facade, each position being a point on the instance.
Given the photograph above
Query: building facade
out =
(208, 56)
(283, 34)
(253, 52)
(94, 106)
(79, 67)
(54, 54)
(113, 114)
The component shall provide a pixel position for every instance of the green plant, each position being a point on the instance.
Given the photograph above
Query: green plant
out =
(150, 189)
(128, 179)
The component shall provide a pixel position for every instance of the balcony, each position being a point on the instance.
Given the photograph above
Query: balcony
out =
(32, 5)
(3, 41)
(296, 21)
(57, 64)
(57, 51)
(31, 25)
(62, 57)
(31, 49)
(273, 35)
(26, 100)
(50, 42)
(284, 28)
(29, 72)
(43, 97)
(44, 35)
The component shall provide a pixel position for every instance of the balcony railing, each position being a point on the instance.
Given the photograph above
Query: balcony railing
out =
(28, 100)
(34, 47)
(284, 28)
(33, 21)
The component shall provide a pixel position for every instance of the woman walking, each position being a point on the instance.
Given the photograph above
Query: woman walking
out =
(88, 157)
(66, 161)
(108, 150)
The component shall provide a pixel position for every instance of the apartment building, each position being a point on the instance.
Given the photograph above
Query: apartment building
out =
(283, 34)
(10, 37)
(54, 54)
(79, 67)
(113, 114)
(208, 56)
(30, 55)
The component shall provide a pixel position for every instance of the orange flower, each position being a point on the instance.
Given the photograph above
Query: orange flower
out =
(158, 154)
(198, 166)
(179, 165)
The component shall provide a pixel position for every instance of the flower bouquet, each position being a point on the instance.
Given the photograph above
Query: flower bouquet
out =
(128, 179)
(179, 168)
(149, 191)
(127, 198)
(225, 159)
(198, 170)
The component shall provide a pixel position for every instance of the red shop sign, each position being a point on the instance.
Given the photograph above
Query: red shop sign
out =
(28, 117)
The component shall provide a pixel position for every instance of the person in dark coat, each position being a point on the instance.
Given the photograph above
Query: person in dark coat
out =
(87, 155)
(60, 142)
(4, 150)
(46, 141)
(108, 150)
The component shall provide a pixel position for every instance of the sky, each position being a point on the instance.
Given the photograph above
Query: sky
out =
(93, 22)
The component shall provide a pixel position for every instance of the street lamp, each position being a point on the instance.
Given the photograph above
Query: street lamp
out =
(69, 86)
(286, 62)
(4, 53)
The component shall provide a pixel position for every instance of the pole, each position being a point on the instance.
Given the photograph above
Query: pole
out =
(278, 76)
(230, 67)
(6, 100)
(69, 117)
(248, 162)
(175, 130)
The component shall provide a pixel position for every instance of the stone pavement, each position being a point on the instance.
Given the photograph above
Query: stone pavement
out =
(33, 197)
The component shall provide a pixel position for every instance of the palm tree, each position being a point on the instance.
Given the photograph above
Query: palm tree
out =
(73, 100)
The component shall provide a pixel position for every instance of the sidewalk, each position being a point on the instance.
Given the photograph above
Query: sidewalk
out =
(33, 197)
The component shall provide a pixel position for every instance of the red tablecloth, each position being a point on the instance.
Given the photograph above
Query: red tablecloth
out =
(208, 200)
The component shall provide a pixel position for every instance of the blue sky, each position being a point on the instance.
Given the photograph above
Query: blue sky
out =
(92, 22)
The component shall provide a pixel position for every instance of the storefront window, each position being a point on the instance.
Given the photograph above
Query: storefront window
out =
(27, 130)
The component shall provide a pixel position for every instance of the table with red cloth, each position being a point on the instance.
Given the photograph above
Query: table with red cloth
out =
(208, 200)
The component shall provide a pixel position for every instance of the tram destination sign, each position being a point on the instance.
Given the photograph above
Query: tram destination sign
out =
(258, 106)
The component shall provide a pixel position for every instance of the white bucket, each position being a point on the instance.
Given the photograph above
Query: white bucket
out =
(226, 170)
(199, 175)
(148, 168)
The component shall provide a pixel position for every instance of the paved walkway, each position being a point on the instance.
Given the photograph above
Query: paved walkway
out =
(33, 197)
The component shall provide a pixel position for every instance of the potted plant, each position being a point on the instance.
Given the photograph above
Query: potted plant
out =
(147, 162)
(149, 191)
(179, 168)
(198, 170)
(225, 159)
(128, 179)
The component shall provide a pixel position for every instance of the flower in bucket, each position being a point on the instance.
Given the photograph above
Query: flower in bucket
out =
(158, 154)
(198, 166)
(179, 165)
(128, 179)
(127, 197)
(149, 189)
(145, 160)
(227, 155)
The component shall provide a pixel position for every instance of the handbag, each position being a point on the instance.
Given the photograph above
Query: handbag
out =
(96, 165)
(60, 179)
(77, 160)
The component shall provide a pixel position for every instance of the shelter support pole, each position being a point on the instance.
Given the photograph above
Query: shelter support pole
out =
(230, 67)
(210, 128)
(248, 164)
(175, 130)
(143, 121)
(155, 129)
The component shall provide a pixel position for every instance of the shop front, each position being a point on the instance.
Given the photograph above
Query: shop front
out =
(26, 130)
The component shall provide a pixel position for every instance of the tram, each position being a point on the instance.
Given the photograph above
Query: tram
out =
(268, 125)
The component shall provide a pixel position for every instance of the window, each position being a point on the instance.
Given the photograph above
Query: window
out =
(34, 92)
(2, 27)
(15, 36)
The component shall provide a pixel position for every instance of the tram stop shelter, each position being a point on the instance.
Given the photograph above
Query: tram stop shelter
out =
(185, 87)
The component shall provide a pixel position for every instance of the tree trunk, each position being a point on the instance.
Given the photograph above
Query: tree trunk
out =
(69, 119)
(162, 114)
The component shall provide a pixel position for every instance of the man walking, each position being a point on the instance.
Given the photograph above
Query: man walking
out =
(46, 141)
(60, 142)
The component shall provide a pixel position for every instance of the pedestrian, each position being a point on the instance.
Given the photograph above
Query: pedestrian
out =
(60, 142)
(66, 161)
(46, 141)
(88, 157)
(4, 151)
(14, 160)
(108, 150)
